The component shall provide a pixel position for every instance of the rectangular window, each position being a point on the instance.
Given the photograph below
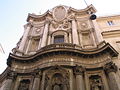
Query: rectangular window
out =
(110, 23)
(59, 39)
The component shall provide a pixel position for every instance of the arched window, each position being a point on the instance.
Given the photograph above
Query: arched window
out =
(59, 39)
(59, 36)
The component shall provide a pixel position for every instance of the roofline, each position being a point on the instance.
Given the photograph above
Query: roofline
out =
(90, 7)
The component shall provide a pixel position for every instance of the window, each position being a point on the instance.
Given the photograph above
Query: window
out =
(110, 23)
(59, 39)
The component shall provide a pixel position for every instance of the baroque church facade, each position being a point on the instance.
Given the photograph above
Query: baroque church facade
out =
(65, 49)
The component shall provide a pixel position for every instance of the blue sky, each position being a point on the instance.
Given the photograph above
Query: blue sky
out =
(13, 15)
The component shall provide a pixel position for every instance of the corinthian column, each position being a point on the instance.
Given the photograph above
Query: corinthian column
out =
(74, 32)
(37, 80)
(111, 70)
(10, 77)
(78, 71)
(25, 35)
(45, 34)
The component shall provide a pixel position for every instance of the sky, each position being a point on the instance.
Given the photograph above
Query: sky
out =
(13, 15)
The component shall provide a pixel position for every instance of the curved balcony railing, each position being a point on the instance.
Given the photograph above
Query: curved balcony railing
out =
(61, 46)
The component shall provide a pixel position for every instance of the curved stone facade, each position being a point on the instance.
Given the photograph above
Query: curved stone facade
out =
(62, 49)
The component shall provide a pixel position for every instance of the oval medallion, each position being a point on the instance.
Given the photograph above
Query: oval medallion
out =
(59, 13)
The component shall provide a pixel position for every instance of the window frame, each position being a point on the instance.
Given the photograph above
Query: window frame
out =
(59, 39)
(110, 22)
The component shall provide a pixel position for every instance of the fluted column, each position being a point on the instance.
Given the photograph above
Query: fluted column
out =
(25, 35)
(45, 34)
(37, 81)
(78, 71)
(74, 32)
(111, 70)
(8, 84)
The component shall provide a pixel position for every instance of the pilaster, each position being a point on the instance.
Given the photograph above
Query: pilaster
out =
(74, 32)
(45, 33)
(25, 35)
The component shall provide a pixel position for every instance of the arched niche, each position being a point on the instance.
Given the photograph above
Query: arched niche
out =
(24, 84)
(57, 78)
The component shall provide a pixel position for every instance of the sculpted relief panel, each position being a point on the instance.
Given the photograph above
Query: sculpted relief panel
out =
(84, 25)
(37, 31)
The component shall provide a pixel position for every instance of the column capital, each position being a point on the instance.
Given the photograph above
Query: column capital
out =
(78, 70)
(110, 67)
(37, 73)
(71, 17)
(11, 75)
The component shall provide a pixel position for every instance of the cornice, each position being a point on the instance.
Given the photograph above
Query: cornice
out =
(38, 16)
(111, 32)
(108, 17)
(64, 48)
(88, 10)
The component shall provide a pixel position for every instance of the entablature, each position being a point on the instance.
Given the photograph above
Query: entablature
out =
(70, 49)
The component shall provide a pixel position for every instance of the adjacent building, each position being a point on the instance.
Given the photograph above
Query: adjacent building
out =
(66, 49)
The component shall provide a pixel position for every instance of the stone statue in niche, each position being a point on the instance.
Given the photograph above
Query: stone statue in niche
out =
(57, 78)
(24, 85)
(96, 82)
(57, 82)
